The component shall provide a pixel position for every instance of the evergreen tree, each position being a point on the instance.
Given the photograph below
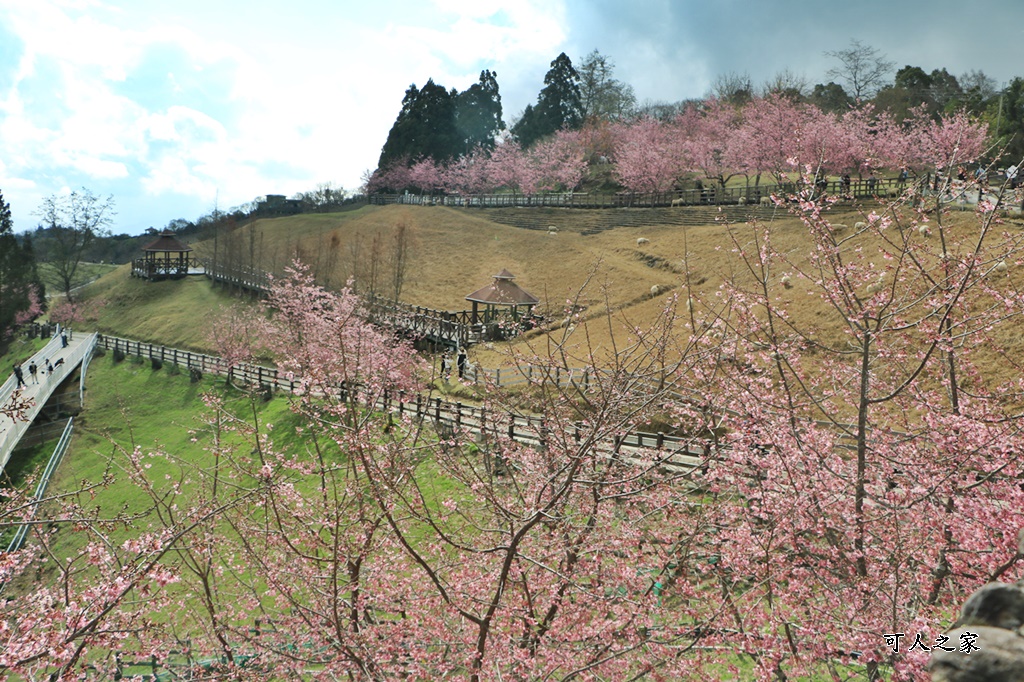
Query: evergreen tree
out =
(478, 114)
(1005, 116)
(830, 98)
(559, 105)
(21, 291)
(425, 127)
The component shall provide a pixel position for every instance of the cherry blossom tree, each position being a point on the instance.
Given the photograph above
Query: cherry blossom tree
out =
(559, 161)
(425, 175)
(509, 166)
(710, 141)
(466, 175)
(385, 551)
(867, 480)
(647, 156)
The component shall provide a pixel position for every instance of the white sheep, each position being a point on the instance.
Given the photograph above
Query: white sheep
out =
(640, 241)
(923, 231)
(786, 281)
(1001, 266)
(741, 201)
(766, 201)
(552, 228)
(677, 202)
(860, 225)
(552, 233)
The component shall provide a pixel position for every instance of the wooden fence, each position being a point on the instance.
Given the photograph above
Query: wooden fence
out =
(707, 196)
(447, 416)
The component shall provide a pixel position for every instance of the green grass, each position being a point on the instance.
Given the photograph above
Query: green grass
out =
(85, 273)
(18, 351)
(128, 403)
(174, 313)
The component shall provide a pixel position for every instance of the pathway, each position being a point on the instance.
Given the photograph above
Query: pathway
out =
(79, 347)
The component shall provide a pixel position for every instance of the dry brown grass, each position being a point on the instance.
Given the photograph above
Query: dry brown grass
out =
(455, 251)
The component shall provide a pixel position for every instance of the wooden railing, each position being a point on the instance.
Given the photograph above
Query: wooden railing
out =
(160, 269)
(710, 195)
(241, 276)
(529, 429)
(453, 328)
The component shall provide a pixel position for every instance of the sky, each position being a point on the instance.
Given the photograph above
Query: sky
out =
(178, 107)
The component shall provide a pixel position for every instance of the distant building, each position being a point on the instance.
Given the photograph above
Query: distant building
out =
(278, 205)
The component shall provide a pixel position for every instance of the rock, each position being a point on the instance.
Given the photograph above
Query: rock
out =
(999, 658)
(986, 640)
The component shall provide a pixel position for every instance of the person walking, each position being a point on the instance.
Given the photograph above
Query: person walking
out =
(19, 376)
(446, 365)
(49, 368)
(32, 369)
(461, 362)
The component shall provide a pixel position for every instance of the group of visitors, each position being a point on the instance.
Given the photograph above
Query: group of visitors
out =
(34, 371)
(461, 361)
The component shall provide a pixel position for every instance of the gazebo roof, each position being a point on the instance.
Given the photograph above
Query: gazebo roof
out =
(503, 291)
(166, 242)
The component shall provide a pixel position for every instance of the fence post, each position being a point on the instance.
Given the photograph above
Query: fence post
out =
(661, 440)
(458, 414)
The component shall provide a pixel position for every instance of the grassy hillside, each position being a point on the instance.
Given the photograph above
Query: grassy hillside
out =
(452, 252)
(173, 313)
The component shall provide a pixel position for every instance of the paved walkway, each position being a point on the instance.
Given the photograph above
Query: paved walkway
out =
(39, 391)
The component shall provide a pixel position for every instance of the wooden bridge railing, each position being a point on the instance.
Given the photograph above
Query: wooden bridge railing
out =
(440, 326)
(453, 328)
(242, 276)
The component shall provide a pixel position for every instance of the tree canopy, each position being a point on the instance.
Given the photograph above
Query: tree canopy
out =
(559, 104)
(21, 291)
(440, 125)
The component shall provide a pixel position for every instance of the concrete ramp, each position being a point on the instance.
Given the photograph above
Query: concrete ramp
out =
(79, 348)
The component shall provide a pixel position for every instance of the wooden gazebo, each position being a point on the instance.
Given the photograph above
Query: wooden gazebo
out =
(501, 296)
(166, 258)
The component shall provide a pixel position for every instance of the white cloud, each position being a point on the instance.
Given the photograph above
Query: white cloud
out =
(199, 99)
